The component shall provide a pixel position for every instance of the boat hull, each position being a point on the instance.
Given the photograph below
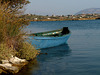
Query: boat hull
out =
(45, 42)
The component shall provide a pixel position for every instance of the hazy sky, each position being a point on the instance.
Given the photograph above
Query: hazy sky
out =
(60, 7)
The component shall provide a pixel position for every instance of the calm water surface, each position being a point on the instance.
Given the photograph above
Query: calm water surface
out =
(80, 56)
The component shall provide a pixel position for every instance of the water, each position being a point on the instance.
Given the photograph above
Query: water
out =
(80, 56)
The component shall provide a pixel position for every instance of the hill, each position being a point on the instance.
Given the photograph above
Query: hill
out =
(89, 11)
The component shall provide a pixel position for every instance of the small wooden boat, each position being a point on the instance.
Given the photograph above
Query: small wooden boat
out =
(50, 38)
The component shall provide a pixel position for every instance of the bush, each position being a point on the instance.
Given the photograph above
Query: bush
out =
(27, 51)
(11, 34)
(11, 26)
(5, 52)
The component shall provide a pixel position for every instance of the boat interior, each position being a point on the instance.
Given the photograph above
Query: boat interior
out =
(54, 33)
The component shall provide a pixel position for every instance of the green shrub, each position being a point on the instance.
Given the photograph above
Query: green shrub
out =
(6, 52)
(27, 51)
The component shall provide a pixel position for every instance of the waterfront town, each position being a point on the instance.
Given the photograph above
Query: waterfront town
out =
(34, 17)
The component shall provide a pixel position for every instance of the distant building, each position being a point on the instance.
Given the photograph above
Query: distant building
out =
(48, 18)
(35, 18)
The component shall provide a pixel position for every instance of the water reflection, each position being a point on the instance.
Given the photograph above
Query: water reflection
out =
(52, 60)
(53, 52)
(28, 69)
(49, 54)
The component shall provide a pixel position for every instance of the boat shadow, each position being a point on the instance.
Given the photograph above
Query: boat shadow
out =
(57, 51)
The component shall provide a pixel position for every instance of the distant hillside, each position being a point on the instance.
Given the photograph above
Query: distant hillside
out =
(89, 11)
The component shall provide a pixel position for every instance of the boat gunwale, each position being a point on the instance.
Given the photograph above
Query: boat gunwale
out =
(49, 33)
(50, 38)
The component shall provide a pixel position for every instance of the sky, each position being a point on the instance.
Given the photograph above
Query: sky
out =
(60, 7)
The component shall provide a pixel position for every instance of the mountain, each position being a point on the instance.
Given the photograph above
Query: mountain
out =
(89, 11)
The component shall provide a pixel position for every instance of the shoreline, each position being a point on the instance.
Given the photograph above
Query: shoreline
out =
(14, 65)
(67, 19)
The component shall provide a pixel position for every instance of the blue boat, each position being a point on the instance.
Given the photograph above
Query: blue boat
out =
(50, 38)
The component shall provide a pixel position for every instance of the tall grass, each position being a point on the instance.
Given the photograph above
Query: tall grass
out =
(11, 29)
